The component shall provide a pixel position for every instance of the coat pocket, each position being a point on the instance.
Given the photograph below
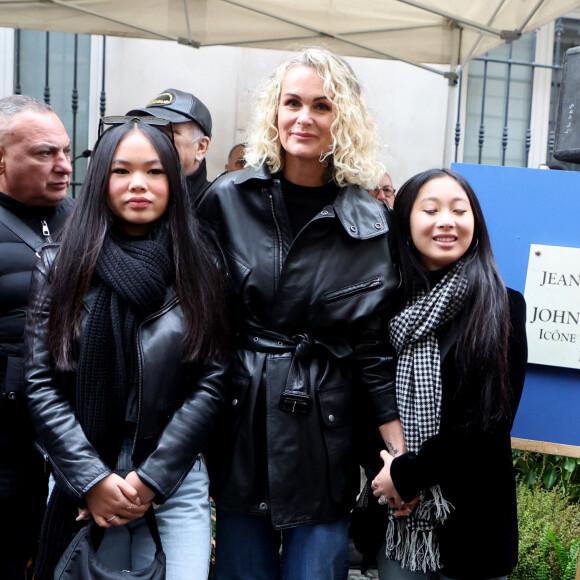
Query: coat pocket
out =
(13, 377)
(237, 391)
(336, 405)
(353, 290)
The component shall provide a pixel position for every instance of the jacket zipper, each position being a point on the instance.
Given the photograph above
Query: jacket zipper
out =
(279, 234)
(353, 290)
(47, 460)
(46, 231)
(165, 309)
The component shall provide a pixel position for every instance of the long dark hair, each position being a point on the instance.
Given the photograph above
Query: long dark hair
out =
(198, 282)
(482, 346)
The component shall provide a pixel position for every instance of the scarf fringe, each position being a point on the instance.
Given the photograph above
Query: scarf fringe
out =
(412, 540)
(415, 550)
(434, 508)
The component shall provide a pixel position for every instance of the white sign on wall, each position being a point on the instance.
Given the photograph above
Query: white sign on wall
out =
(553, 306)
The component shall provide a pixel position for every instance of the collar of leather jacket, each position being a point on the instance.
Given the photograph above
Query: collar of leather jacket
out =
(361, 215)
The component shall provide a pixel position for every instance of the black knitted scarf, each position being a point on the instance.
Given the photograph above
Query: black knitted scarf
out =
(131, 279)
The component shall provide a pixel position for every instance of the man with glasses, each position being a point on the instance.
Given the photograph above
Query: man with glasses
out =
(236, 160)
(191, 122)
(385, 192)
(35, 173)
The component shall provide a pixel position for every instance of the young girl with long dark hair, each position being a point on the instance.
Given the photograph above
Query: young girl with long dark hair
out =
(461, 343)
(124, 374)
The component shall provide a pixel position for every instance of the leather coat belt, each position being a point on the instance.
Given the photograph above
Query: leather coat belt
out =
(296, 397)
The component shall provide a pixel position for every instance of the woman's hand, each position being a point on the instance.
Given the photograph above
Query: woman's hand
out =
(382, 485)
(114, 502)
(146, 494)
(407, 507)
(384, 488)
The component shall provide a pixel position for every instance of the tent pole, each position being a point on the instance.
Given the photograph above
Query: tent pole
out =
(448, 144)
(455, 19)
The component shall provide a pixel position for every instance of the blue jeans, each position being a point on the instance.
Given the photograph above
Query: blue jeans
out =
(248, 548)
(184, 523)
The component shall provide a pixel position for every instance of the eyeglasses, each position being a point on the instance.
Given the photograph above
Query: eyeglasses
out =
(163, 124)
(388, 190)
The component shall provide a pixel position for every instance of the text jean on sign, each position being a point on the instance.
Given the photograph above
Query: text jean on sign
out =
(553, 306)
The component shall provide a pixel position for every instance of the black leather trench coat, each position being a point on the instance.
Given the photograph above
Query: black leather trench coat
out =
(305, 310)
(178, 402)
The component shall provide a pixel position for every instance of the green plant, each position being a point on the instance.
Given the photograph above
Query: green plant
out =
(211, 575)
(572, 565)
(567, 559)
(549, 471)
(549, 527)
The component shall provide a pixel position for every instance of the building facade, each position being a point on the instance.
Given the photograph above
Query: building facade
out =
(503, 110)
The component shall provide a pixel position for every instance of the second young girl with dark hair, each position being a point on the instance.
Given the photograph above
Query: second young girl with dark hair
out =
(124, 374)
(461, 343)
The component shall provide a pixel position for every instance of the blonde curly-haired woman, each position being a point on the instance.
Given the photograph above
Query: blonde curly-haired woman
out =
(310, 269)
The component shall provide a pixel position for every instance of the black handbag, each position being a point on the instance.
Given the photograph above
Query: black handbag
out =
(368, 526)
(81, 560)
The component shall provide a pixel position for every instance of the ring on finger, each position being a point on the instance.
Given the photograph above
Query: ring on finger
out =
(111, 518)
(129, 507)
(374, 485)
(382, 500)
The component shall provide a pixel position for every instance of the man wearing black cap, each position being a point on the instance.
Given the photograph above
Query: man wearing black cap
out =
(192, 134)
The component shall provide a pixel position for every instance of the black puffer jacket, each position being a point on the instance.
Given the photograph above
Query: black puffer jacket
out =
(20, 465)
(177, 409)
(305, 309)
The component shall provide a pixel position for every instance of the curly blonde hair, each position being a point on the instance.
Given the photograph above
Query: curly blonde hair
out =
(353, 157)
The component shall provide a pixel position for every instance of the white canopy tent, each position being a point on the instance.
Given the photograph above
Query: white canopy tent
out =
(419, 32)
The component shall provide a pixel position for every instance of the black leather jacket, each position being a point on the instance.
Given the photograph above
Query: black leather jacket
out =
(308, 345)
(178, 402)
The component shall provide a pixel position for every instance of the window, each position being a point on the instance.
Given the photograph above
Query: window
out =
(68, 60)
(498, 104)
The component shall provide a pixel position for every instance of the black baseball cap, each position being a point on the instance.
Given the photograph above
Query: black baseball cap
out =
(177, 107)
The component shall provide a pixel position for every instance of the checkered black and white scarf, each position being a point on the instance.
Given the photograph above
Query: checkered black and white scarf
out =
(411, 540)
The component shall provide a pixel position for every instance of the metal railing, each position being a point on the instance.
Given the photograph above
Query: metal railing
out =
(510, 63)
(79, 99)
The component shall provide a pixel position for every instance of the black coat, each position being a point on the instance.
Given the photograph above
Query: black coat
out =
(306, 314)
(473, 466)
(178, 402)
(197, 184)
(21, 467)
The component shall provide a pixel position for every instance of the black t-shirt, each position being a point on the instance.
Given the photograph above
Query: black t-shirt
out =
(303, 203)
